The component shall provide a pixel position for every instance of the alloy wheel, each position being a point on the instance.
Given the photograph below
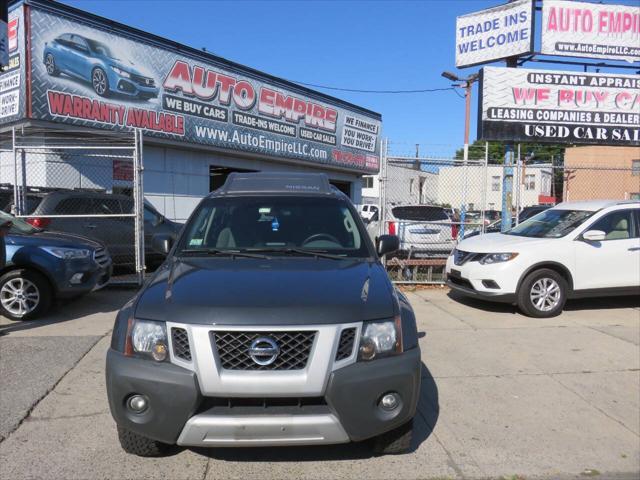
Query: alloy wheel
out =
(545, 294)
(19, 296)
(99, 81)
(50, 64)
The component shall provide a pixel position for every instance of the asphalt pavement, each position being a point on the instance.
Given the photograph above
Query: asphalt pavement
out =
(503, 396)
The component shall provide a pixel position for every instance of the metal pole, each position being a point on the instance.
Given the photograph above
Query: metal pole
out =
(485, 171)
(138, 207)
(518, 181)
(15, 172)
(507, 188)
(380, 192)
(467, 115)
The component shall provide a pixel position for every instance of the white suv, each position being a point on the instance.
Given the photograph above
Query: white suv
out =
(575, 249)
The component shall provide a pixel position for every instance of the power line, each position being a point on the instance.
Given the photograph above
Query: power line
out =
(356, 90)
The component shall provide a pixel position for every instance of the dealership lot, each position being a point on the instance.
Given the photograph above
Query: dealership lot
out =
(503, 395)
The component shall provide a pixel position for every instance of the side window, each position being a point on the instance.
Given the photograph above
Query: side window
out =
(615, 225)
(74, 206)
(149, 215)
(107, 206)
(80, 44)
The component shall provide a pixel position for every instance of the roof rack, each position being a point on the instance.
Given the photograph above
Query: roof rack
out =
(277, 182)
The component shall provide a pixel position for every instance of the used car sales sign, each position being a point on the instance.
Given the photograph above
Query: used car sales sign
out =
(559, 107)
(495, 33)
(84, 73)
(578, 29)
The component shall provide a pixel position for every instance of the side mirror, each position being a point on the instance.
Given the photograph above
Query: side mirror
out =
(388, 244)
(594, 236)
(162, 243)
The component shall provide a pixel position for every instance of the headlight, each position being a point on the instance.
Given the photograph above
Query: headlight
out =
(147, 338)
(380, 339)
(490, 258)
(121, 72)
(68, 253)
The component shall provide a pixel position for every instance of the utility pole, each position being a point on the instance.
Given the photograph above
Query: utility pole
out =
(467, 84)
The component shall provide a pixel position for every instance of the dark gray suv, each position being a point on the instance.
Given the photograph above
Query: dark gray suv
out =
(101, 219)
(272, 322)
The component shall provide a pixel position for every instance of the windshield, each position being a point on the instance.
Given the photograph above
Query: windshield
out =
(553, 223)
(275, 224)
(99, 48)
(17, 225)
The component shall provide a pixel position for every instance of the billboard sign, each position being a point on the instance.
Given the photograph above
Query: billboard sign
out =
(84, 74)
(494, 34)
(12, 84)
(578, 29)
(524, 105)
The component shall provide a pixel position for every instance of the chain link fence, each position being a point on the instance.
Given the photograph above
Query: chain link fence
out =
(78, 183)
(434, 203)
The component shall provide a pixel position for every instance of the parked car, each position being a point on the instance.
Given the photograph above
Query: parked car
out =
(43, 266)
(424, 230)
(272, 322)
(528, 212)
(92, 61)
(368, 212)
(117, 233)
(575, 249)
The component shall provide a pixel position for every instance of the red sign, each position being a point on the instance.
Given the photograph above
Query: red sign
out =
(123, 170)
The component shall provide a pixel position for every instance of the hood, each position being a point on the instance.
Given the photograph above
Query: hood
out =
(278, 291)
(53, 239)
(498, 242)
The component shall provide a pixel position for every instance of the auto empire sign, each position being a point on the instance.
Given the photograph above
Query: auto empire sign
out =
(88, 76)
(495, 33)
(561, 107)
(578, 29)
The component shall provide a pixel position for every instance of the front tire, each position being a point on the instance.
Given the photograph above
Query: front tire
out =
(24, 294)
(136, 444)
(50, 65)
(100, 82)
(542, 294)
(395, 441)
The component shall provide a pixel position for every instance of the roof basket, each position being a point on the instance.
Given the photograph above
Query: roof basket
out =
(279, 182)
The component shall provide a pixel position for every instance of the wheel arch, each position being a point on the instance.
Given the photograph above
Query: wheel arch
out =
(551, 265)
(34, 268)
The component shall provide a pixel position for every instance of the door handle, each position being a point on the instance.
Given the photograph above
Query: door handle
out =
(90, 225)
(634, 249)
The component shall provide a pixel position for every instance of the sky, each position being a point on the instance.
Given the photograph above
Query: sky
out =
(353, 44)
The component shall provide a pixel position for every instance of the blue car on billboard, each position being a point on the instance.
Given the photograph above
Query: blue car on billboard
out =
(92, 61)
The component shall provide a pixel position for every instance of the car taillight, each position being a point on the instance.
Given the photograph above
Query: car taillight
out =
(454, 231)
(38, 222)
(392, 228)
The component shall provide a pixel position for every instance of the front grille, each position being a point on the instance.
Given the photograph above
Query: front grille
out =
(461, 257)
(233, 349)
(345, 347)
(144, 81)
(180, 341)
(101, 256)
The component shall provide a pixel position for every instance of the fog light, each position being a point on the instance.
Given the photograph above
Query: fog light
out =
(390, 401)
(137, 403)
(76, 279)
(159, 352)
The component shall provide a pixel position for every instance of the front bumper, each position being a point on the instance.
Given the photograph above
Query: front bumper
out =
(92, 277)
(496, 282)
(179, 413)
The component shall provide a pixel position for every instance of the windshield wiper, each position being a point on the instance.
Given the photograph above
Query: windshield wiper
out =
(299, 251)
(218, 251)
